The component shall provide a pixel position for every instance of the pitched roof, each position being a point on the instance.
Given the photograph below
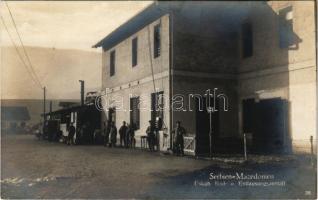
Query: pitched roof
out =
(14, 113)
(148, 15)
(187, 9)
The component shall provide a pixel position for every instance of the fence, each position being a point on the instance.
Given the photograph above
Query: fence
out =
(189, 145)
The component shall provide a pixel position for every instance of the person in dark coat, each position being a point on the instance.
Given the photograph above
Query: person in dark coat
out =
(122, 135)
(113, 135)
(151, 136)
(59, 135)
(127, 136)
(90, 131)
(178, 138)
(79, 135)
(71, 133)
(131, 135)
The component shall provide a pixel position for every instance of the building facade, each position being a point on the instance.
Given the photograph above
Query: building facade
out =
(280, 74)
(251, 64)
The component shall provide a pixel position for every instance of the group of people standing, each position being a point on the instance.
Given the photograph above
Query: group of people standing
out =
(71, 134)
(152, 136)
(85, 134)
(178, 134)
(126, 135)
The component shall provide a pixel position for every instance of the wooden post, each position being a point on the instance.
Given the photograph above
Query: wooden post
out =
(312, 150)
(210, 132)
(245, 150)
(82, 92)
(44, 112)
(44, 104)
(311, 145)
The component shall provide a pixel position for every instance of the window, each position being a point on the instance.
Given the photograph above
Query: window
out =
(135, 112)
(134, 52)
(286, 27)
(157, 41)
(112, 63)
(247, 40)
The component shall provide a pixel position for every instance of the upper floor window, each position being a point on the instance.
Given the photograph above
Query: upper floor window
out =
(247, 40)
(112, 63)
(157, 41)
(286, 27)
(134, 52)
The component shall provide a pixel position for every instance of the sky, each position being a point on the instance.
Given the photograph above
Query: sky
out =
(58, 36)
(67, 24)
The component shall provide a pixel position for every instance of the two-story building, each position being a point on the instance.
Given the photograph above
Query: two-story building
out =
(224, 69)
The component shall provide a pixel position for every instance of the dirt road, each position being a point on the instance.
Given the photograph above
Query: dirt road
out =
(38, 169)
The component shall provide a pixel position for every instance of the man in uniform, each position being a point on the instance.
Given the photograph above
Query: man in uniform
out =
(178, 134)
(122, 135)
(151, 135)
(71, 133)
(131, 135)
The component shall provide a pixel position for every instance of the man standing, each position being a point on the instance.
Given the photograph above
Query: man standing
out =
(71, 133)
(131, 135)
(178, 134)
(113, 135)
(151, 135)
(122, 135)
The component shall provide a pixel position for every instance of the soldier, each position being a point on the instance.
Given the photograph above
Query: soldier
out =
(80, 135)
(122, 135)
(131, 135)
(113, 135)
(127, 136)
(151, 135)
(71, 133)
(178, 134)
(86, 138)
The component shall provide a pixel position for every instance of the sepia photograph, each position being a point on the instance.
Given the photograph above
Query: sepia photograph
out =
(158, 99)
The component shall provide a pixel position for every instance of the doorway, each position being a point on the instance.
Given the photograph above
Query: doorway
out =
(267, 120)
(203, 127)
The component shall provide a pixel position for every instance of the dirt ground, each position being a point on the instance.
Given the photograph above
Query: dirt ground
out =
(31, 168)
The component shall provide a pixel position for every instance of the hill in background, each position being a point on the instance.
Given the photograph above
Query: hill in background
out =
(35, 106)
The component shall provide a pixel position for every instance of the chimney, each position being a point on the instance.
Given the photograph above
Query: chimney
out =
(82, 92)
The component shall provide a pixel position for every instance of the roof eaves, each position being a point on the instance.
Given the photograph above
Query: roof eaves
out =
(101, 42)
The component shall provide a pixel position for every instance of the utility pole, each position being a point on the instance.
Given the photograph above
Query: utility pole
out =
(44, 104)
(82, 91)
(210, 110)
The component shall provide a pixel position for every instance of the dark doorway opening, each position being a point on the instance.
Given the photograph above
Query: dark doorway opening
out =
(88, 122)
(53, 129)
(267, 121)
